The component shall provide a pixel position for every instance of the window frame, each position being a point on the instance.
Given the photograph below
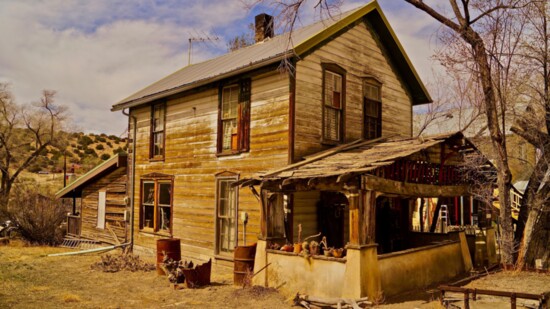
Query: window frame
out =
(367, 119)
(157, 180)
(157, 131)
(243, 109)
(338, 70)
(231, 178)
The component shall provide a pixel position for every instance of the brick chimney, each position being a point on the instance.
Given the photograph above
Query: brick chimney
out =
(264, 27)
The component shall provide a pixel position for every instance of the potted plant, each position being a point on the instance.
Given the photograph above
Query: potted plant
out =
(314, 247)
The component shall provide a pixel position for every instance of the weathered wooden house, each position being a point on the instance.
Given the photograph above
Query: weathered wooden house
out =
(101, 213)
(196, 132)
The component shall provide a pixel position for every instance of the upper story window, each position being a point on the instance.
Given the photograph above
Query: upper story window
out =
(372, 109)
(334, 94)
(234, 118)
(156, 203)
(158, 119)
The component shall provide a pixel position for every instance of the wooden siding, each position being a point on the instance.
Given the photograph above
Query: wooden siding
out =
(191, 134)
(360, 54)
(305, 213)
(114, 184)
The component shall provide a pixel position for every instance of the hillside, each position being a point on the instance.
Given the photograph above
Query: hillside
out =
(83, 152)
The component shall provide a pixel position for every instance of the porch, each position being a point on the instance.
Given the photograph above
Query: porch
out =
(381, 202)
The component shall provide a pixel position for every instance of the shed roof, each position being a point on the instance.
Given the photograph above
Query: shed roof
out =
(276, 49)
(355, 158)
(74, 189)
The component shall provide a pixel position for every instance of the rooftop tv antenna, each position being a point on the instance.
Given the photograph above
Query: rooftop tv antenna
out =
(198, 39)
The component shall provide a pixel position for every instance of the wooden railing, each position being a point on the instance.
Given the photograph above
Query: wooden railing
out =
(73, 225)
(541, 298)
(421, 172)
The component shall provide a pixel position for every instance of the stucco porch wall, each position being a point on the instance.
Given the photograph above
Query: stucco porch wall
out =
(292, 273)
(419, 267)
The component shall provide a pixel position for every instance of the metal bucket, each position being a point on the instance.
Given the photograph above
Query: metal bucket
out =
(170, 247)
(243, 262)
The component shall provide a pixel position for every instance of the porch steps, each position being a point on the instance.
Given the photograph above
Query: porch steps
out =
(79, 243)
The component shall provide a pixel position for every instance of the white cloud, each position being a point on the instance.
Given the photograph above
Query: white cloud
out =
(94, 59)
(95, 53)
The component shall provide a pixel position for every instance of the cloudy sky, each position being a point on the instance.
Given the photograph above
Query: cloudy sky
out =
(95, 53)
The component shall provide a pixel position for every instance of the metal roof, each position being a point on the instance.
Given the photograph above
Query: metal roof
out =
(119, 160)
(276, 49)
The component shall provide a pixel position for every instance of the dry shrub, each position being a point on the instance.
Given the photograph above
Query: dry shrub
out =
(111, 264)
(38, 215)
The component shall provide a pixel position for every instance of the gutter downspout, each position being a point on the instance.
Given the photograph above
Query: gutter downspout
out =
(132, 176)
(291, 109)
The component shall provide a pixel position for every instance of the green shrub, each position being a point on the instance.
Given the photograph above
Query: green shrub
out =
(105, 156)
(99, 147)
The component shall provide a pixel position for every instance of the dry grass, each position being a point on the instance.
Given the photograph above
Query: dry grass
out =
(31, 279)
(71, 298)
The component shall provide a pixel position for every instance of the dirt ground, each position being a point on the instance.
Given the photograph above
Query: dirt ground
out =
(31, 279)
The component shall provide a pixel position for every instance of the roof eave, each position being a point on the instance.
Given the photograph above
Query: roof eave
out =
(163, 94)
(373, 10)
(115, 162)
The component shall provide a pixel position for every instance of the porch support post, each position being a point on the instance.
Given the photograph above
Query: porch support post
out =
(354, 217)
(368, 224)
(362, 276)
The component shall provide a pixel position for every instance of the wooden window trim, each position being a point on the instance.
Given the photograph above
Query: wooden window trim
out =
(152, 133)
(217, 250)
(243, 118)
(371, 81)
(156, 180)
(336, 69)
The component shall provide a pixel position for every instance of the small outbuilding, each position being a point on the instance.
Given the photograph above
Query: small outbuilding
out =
(103, 213)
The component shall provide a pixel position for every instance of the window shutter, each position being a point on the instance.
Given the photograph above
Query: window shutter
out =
(244, 114)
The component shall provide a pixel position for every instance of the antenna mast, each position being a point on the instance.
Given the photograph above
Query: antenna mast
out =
(198, 39)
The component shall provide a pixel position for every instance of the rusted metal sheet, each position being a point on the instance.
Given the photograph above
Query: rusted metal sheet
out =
(198, 276)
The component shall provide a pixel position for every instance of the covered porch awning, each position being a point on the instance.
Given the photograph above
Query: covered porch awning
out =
(425, 166)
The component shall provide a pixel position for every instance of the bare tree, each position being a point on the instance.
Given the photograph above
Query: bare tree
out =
(534, 127)
(488, 33)
(456, 106)
(25, 132)
(243, 40)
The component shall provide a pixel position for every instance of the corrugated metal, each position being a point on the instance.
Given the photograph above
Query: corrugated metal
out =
(245, 57)
(274, 50)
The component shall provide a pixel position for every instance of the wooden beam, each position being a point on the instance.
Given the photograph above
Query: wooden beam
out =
(355, 220)
(383, 185)
(368, 224)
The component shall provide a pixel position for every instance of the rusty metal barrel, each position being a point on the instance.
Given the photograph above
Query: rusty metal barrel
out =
(170, 247)
(243, 263)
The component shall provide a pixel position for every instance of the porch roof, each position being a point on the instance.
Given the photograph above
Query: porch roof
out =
(357, 157)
